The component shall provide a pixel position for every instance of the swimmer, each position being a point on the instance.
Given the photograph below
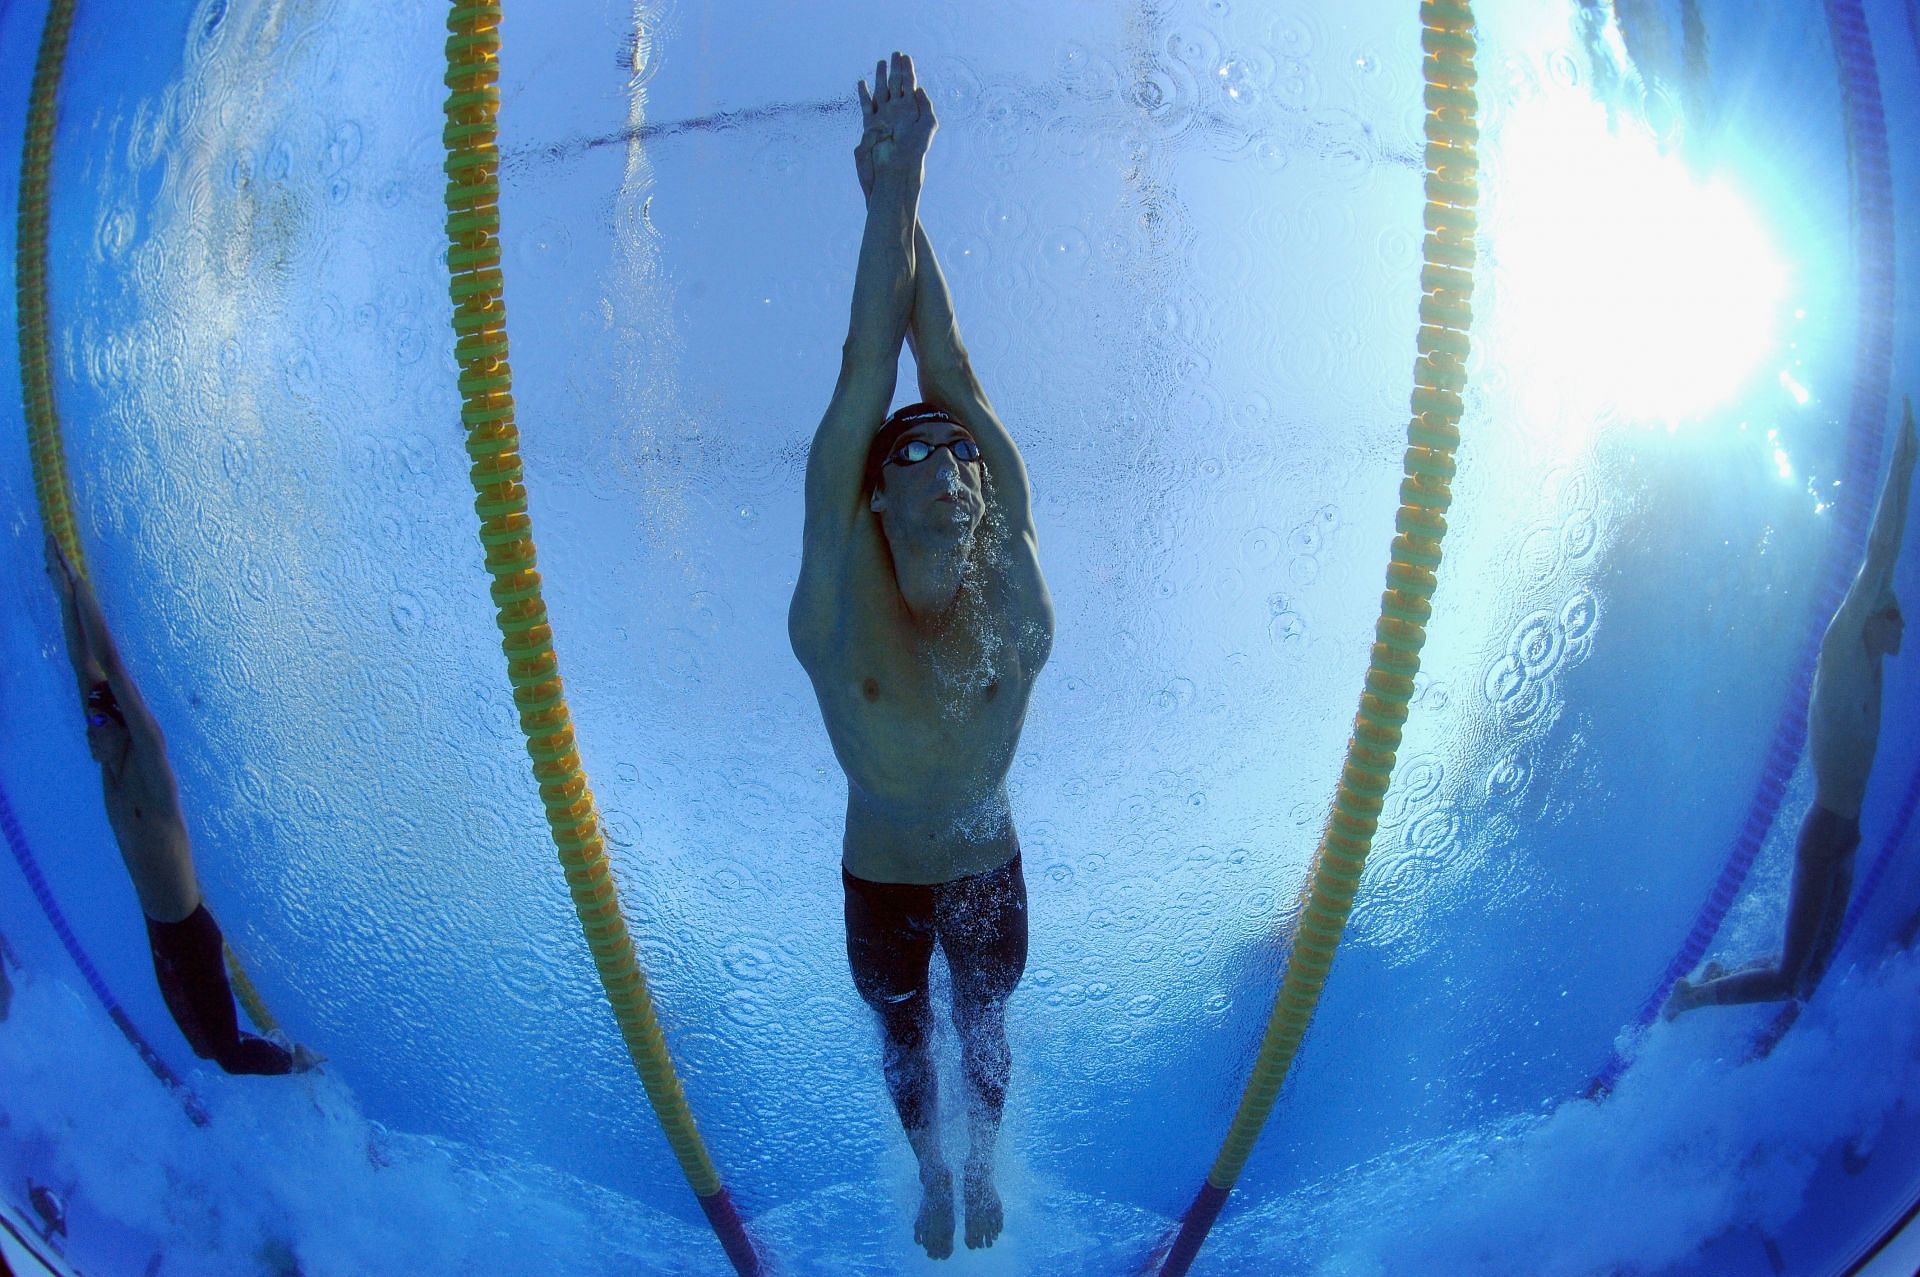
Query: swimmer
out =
(1844, 730)
(143, 806)
(922, 618)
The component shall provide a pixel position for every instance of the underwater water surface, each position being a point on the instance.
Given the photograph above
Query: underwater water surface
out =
(1184, 240)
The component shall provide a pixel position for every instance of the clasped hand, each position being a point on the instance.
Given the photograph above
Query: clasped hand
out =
(896, 123)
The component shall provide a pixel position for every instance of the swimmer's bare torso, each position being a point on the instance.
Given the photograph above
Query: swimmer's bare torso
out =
(1843, 718)
(143, 807)
(1843, 729)
(925, 720)
(137, 784)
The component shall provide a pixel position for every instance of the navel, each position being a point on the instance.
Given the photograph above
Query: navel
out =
(993, 689)
(870, 689)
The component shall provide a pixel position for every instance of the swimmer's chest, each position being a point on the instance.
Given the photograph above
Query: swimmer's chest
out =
(1845, 714)
(144, 816)
(904, 701)
(969, 680)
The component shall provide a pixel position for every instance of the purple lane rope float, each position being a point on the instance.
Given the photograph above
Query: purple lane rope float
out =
(43, 894)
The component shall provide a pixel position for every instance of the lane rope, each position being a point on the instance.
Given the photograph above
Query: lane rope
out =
(1866, 429)
(50, 484)
(1406, 606)
(476, 288)
(52, 487)
(43, 895)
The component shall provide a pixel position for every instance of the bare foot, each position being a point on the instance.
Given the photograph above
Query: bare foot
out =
(1681, 999)
(934, 1228)
(984, 1216)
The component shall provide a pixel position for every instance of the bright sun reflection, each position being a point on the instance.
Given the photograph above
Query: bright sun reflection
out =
(1625, 282)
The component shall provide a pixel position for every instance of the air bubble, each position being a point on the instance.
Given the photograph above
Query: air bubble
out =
(1066, 251)
(1536, 645)
(1288, 631)
(1508, 777)
(406, 611)
(1579, 614)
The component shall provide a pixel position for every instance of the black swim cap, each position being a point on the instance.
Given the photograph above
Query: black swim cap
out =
(884, 439)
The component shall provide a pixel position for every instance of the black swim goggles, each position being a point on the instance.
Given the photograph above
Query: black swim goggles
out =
(102, 708)
(914, 451)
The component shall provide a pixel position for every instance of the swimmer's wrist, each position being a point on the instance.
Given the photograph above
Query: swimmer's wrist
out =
(897, 175)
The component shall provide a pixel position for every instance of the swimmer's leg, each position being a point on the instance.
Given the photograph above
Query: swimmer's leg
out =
(1909, 932)
(890, 940)
(1822, 883)
(7, 958)
(983, 928)
(1822, 889)
(187, 960)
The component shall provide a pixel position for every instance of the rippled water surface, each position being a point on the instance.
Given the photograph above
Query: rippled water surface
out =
(1184, 240)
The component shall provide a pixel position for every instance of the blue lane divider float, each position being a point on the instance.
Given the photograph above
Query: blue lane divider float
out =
(37, 881)
(1866, 427)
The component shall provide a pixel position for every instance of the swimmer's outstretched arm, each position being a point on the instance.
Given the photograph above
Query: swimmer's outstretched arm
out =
(96, 659)
(87, 667)
(1874, 581)
(90, 644)
(945, 372)
(947, 378)
(1875, 578)
(1890, 512)
(901, 126)
(897, 127)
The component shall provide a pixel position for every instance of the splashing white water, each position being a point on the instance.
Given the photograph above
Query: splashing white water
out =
(288, 1177)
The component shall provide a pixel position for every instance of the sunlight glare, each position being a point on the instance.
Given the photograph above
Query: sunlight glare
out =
(1625, 282)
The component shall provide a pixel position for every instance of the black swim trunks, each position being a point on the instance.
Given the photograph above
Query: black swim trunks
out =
(193, 980)
(980, 923)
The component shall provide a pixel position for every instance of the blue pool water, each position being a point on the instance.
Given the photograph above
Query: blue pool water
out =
(1184, 241)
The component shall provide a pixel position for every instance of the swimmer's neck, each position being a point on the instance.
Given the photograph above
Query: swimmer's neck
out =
(930, 579)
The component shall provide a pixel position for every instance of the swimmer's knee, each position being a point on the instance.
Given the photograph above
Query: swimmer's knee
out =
(972, 1016)
(906, 1022)
(896, 1006)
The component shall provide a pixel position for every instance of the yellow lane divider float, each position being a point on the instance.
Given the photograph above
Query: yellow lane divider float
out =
(50, 484)
(506, 533)
(52, 488)
(1433, 435)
